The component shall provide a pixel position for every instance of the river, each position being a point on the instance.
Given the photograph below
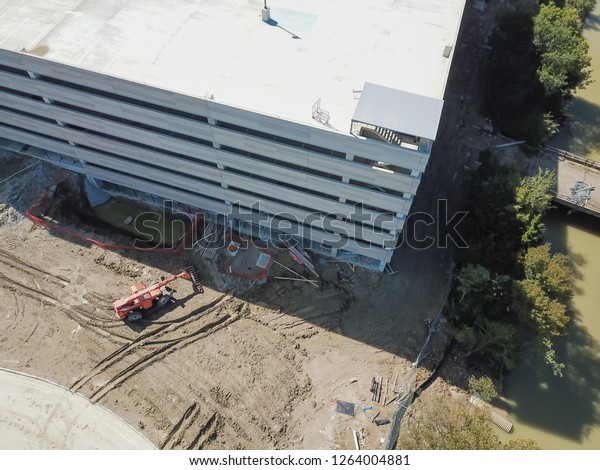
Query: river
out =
(564, 413)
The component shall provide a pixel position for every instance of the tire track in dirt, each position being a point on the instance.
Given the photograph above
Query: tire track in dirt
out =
(178, 436)
(11, 316)
(207, 432)
(16, 263)
(175, 436)
(143, 340)
(76, 314)
(33, 271)
(227, 416)
(159, 354)
(235, 396)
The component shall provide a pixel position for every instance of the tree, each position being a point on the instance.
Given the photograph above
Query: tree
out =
(452, 424)
(448, 424)
(532, 200)
(541, 348)
(547, 316)
(483, 386)
(494, 341)
(563, 50)
(514, 92)
(472, 279)
(583, 7)
(493, 230)
(541, 300)
(551, 271)
(482, 293)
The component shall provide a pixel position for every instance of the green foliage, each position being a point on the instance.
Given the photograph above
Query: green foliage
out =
(451, 424)
(505, 226)
(515, 95)
(532, 200)
(521, 444)
(542, 349)
(541, 296)
(472, 279)
(541, 300)
(493, 341)
(563, 50)
(547, 316)
(483, 386)
(493, 230)
(482, 293)
(583, 7)
(551, 271)
(549, 124)
(539, 57)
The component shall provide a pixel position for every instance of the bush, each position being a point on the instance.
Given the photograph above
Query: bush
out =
(483, 386)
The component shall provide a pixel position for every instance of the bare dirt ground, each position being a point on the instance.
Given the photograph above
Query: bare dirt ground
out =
(248, 364)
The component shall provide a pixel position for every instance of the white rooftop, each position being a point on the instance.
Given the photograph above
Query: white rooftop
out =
(312, 49)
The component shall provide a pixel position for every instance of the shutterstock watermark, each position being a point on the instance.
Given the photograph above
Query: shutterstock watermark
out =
(444, 224)
(419, 231)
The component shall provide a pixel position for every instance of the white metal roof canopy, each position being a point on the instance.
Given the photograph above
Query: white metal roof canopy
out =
(399, 111)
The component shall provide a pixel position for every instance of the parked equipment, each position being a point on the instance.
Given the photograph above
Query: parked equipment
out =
(144, 297)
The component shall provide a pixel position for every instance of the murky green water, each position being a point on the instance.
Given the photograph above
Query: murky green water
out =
(582, 135)
(564, 413)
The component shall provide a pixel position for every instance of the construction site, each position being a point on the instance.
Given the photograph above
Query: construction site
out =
(202, 333)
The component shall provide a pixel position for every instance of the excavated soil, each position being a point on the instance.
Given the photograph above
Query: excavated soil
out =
(247, 364)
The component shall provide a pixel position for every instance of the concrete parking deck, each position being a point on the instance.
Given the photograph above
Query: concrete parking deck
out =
(310, 49)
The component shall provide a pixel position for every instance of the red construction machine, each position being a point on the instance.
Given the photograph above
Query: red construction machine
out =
(144, 297)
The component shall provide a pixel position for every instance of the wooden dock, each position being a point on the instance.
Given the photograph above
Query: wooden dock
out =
(570, 169)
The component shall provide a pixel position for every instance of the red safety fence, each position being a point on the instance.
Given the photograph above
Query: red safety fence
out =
(78, 236)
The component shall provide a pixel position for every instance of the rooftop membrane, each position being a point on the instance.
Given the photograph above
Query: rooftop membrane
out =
(309, 50)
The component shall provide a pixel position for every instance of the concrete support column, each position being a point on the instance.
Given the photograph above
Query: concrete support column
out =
(216, 145)
(49, 101)
(92, 180)
(345, 179)
(222, 168)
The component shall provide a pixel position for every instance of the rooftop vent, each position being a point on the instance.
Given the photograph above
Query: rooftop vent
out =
(447, 50)
(266, 13)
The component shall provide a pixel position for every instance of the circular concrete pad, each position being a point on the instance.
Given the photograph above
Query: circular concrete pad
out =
(36, 414)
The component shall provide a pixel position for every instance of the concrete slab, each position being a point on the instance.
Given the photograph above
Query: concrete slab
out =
(36, 414)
